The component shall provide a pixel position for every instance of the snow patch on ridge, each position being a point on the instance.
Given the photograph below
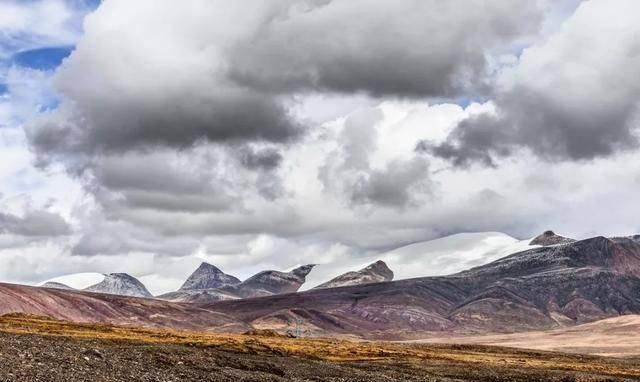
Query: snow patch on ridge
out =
(437, 257)
(78, 280)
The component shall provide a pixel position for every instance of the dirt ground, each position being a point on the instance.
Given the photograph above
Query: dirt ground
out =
(613, 337)
(36, 349)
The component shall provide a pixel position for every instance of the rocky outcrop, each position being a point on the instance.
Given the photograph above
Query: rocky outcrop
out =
(208, 276)
(550, 238)
(267, 283)
(120, 284)
(374, 273)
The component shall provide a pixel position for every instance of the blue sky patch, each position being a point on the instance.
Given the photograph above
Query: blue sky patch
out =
(42, 58)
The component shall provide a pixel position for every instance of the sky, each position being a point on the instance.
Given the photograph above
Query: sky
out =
(148, 136)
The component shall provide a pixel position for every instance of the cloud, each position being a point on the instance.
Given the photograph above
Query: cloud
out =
(226, 73)
(265, 159)
(571, 97)
(400, 48)
(350, 169)
(34, 223)
(118, 238)
(162, 180)
(397, 185)
(192, 131)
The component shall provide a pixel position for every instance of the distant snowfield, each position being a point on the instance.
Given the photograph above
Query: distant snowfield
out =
(78, 280)
(437, 257)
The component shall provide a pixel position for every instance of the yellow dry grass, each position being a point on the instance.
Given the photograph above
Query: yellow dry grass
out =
(323, 348)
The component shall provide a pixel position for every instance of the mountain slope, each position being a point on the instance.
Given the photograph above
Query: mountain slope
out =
(81, 306)
(376, 272)
(120, 284)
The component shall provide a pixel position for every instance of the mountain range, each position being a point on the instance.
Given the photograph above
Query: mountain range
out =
(556, 283)
(540, 288)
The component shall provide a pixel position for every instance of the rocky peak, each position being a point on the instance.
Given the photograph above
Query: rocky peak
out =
(275, 282)
(208, 276)
(302, 271)
(550, 238)
(373, 273)
(120, 284)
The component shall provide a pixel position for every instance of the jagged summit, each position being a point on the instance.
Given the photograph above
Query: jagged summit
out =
(121, 284)
(373, 273)
(550, 238)
(208, 276)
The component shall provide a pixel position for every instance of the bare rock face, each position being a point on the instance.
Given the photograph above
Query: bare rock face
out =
(208, 276)
(120, 284)
(268, 283)
(550, 238)
(374, 273)
(56, 285)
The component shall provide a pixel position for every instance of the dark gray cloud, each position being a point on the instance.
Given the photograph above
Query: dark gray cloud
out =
(261, 159)
(164, 181)
(400, 48)
(540, 124)
(397, 185)
(102, 123)
(34, 223)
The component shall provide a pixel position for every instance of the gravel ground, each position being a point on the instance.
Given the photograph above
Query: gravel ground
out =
(31, 358)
